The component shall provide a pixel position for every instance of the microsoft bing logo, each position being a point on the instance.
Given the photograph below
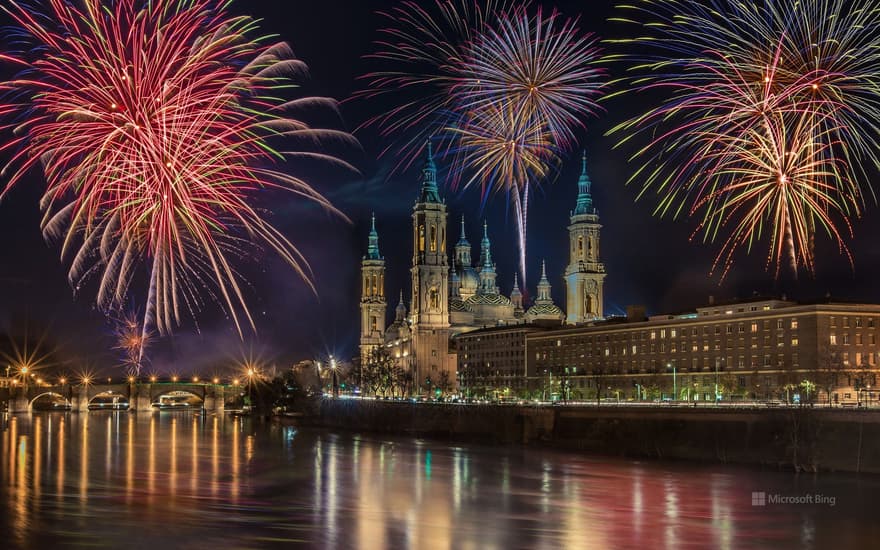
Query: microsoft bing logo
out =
(759, 498)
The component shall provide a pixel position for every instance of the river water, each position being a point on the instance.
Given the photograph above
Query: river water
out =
(175, 480)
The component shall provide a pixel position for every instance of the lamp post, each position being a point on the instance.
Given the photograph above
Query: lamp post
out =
(335, 376)
(251, 373)
(716, 381)
(674, 383)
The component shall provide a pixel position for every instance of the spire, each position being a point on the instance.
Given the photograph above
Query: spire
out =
(516, 291)
(373, 246)
(485, 249)
(544, 287)
(516, 296)
(584, 198)
(400, 311)
(429, 192)
(462, 239)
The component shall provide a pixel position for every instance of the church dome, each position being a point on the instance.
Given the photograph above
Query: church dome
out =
(457, 305)
(489, 300)
(545, 311)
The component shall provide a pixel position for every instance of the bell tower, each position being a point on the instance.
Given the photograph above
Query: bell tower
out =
(585, 274)
(373, 303)
(430, 284)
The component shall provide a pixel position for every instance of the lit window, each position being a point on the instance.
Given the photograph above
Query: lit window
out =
(794, 324)
(794, 342)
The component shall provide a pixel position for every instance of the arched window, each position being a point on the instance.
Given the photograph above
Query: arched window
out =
(433, 239)
(580, 247)
(433, 298)
(373, 323)
(421, 238)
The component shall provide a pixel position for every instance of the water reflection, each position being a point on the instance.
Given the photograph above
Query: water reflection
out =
(174, 479)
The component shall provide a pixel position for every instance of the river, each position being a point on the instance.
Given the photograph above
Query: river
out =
(175, 480)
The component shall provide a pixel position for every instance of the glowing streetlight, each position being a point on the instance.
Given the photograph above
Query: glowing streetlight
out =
(153, 378)
(216, 380)
(174, 378)
(195, 378)
(335, 376)
(131, 379)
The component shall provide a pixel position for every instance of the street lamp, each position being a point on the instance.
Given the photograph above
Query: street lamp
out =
(251, 373)
(674, 383)
(335, 376)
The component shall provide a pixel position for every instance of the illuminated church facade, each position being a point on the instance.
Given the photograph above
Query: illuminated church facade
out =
(452, 295)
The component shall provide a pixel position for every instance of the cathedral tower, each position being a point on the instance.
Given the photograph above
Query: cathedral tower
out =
(585, 274)
(372, 296)
(430, 284)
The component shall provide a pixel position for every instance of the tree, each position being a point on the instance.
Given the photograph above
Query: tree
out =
(444, 382)
(379, 373)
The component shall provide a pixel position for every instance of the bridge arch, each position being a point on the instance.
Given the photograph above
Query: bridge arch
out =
(58, 398)
(178, 398)
(109, 400)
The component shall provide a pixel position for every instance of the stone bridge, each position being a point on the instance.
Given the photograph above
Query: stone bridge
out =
(140, 395)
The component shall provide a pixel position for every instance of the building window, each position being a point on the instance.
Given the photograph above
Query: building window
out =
(794, 324)
(433, 239)
(832, 339)
(846, 322)
(672, 333)
(846, 339)
(779, 323)
(794, 342)
(653, 335)
(858, 322)
(754, 326)
(831, 321)
(740, 328)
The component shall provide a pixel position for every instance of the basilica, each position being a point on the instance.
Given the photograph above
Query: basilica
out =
(451, 297)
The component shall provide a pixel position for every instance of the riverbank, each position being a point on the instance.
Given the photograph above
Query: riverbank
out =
(807, 439)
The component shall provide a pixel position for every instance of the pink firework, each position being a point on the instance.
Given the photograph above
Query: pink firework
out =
(155, 125)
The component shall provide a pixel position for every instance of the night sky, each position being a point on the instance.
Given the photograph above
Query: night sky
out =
(649, 261)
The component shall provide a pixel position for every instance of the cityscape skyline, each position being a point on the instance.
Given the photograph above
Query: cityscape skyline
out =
(651, 261)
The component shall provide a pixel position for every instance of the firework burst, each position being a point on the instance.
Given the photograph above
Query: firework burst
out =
(745, 84)
(156, 124)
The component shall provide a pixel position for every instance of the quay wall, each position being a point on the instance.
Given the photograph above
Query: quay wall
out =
(800, 439)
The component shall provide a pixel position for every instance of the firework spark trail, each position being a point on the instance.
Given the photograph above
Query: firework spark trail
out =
(154, 125)
(741, 81)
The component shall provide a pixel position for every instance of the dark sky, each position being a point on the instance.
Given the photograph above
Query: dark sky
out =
(649, 261)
